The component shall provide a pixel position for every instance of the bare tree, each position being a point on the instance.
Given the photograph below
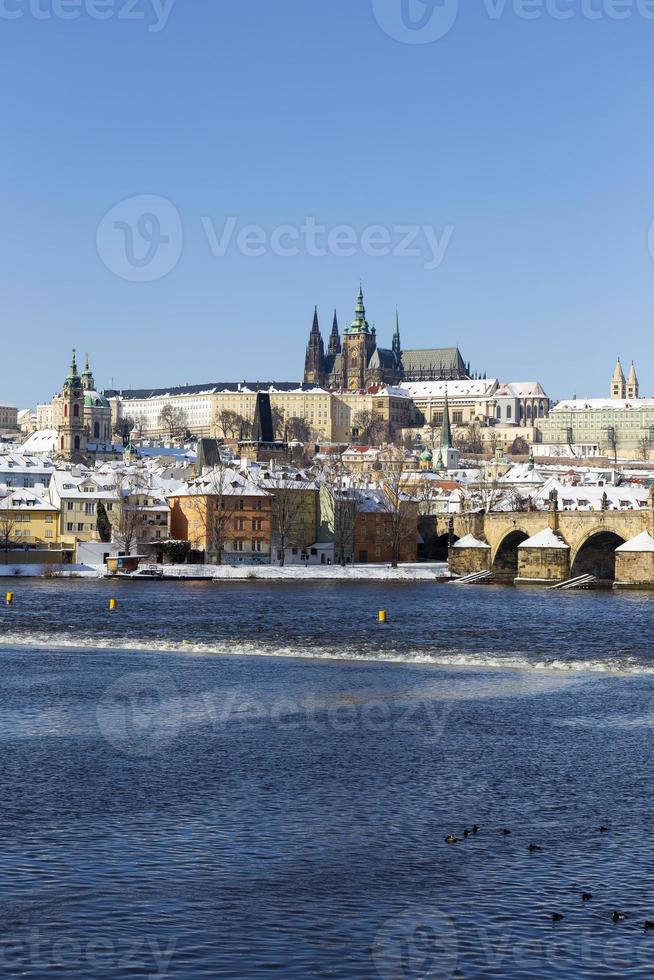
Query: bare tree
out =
(470, 439)
(298, 430)
(232, 425)
(289, 508)
(644, 448)
(216, 505)
(369, 429)
(278, 419)
(7, 531)
(401, 510)
(174, 419)
(339, 508)
(129, 517)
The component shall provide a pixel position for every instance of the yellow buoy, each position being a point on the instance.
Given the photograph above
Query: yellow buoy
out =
(382, 615)
(9, 598)
(113, 604)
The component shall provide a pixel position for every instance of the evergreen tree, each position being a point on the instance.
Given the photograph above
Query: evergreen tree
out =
(103, 524)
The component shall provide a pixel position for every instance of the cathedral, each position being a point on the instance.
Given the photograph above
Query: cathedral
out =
(357, 363)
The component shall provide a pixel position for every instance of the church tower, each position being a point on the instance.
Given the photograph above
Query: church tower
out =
(359, 344)
(618, 383)
(334, 338)
(632, 383)
(88, 382)
(397, 345)
(69, 408)
(314, 363)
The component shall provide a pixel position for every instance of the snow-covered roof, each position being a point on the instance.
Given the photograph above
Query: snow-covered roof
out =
(43, 441)
(26, 500)
(469, 541)
(545, 539)
(597, 404)
(642, 542)
(454, 389)
(520, 389)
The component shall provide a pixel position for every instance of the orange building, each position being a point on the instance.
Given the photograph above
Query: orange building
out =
(224, 515)
(378, 524)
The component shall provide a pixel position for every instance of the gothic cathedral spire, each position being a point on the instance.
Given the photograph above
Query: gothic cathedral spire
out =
(334, 338)
(314, 364)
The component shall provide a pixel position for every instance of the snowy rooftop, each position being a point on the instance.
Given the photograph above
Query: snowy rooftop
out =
(545, 539)
(469, 541)
(520, 389)
(597, 404)
(453, 389)
(642, 542)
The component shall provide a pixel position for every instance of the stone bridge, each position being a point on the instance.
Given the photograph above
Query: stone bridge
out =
(577, 542)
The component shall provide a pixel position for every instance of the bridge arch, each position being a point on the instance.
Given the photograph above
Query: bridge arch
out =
(595, 555)
(505, 559)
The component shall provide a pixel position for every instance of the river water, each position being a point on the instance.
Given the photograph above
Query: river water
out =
(250, 779)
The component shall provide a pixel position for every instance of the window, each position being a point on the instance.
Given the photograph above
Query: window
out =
(80, 527)
(49, 534)
(238, 546)
(70, 527)
(257, 525)
(457, 418)
(70, 505)
(257, 546)
(89, 508)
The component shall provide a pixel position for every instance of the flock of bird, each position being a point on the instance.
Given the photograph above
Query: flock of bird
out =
(533, 848)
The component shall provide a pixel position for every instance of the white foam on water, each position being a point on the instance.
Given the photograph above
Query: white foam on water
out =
(516, 660)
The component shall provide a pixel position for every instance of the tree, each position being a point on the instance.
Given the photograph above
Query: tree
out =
(470, 440)
(278, 421)
(232, 425)
(401, 510)
(339, 508)
(644, 448)
(7, 529)
(519, 447)
(215, 506)
(612, 443)
(289, 506)
(129, 516)
(298, 430)
(369, 429)
(174, 419)
(102, 523)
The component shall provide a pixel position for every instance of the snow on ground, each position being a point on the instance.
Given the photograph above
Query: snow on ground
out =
(406, 572)
(56, 571)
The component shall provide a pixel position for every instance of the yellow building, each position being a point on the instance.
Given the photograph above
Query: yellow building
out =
(28, 522)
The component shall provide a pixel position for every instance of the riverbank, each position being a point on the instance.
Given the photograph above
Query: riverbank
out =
(410, 572)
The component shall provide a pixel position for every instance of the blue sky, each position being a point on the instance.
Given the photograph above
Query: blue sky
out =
(524, 146)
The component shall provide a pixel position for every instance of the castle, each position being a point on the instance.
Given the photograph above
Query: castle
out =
(358, 363)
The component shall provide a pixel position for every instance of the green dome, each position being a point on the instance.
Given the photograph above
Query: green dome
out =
(426, 456)
(94, 400)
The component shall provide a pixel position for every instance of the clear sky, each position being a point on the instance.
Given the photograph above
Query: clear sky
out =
(525, 147)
